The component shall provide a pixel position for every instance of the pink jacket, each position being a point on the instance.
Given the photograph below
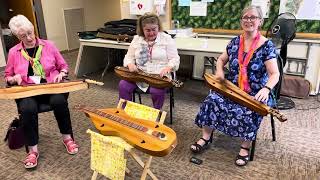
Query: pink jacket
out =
(51, 60)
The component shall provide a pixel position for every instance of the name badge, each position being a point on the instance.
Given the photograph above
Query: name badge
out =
(35, 79)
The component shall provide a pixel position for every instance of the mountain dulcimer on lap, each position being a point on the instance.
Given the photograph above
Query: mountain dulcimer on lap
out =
(233, 92)
(148, 136)
(17, 92)
(153, 79)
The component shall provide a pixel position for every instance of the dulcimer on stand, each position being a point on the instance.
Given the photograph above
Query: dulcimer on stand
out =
(17, 92)
(153, 79)
(233, 92)
(148, 136)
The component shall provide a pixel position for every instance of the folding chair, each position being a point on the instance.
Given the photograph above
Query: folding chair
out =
(42, 108)
(138, 111)
(276, 95)
(169, 91)
(212, 61)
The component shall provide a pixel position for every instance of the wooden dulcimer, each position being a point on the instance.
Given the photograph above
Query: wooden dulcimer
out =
(233, 92)
(148, 136)
(153, 79)
(17, 92)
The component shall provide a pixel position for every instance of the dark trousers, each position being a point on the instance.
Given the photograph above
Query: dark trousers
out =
(28, 110)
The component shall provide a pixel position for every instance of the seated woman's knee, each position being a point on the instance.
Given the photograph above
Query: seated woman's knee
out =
(58, 99)
(157, 91)
(27, 105)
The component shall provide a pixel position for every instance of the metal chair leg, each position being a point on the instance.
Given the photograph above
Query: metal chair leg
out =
(133, 97)
(107, 65)
(171, 107)
(273, 128)
(172, 97)
(139, 95)
(253, 147)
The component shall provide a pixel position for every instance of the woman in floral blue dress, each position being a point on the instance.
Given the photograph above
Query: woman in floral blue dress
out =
(253, 68)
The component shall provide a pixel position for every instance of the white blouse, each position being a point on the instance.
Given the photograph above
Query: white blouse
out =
(153, 58)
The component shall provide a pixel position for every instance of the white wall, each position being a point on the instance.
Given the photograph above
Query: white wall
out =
(2, 57)
(97, 12)
(54, 19)
(125, 13)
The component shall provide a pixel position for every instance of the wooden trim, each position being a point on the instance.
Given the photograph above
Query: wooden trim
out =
(169, 6)
(237, 32)
(40, 19)
(308, 35)
(4, 50)
(217, 31)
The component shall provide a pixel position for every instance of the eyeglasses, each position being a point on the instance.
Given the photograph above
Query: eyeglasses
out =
(26, 35)
(249, 19)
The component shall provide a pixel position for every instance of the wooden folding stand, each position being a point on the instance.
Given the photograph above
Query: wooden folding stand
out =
(133, 112)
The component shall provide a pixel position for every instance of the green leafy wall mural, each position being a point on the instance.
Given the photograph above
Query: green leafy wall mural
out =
(225, 14)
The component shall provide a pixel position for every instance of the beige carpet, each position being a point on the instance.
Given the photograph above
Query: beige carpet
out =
(295, 154)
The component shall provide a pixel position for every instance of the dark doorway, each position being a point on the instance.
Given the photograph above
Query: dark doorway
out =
(32, 9)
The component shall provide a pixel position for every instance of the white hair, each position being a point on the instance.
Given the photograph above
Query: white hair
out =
(19, 22)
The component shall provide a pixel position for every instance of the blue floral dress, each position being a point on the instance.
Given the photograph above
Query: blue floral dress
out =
(223, 114)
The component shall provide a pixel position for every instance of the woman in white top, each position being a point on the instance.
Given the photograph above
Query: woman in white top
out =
(151, 51)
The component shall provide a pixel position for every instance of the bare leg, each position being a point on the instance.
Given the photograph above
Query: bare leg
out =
(33, 148)
(206, 134)
(243, 152)
(66, 136)
(31, 160)
(69, 143)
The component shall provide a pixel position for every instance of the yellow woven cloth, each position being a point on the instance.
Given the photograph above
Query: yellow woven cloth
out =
(107, 155)
(141, 111)
(107, 152)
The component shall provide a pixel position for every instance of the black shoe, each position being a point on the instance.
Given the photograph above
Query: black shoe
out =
(245, 158)
(198, 148)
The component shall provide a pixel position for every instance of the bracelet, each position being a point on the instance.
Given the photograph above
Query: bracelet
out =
(267, 87)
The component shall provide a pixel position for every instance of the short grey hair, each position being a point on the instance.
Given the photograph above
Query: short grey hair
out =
(257, 9)
(19, 21)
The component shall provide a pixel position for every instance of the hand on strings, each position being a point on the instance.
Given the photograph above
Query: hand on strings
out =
(132, 67)
(262, 95)
(165, 71)
(59, 77)
(16, 79)
(220, 75)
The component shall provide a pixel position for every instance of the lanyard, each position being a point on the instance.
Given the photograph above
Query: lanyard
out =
(150, 48)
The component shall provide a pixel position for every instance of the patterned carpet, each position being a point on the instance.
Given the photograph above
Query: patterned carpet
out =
(295, 154)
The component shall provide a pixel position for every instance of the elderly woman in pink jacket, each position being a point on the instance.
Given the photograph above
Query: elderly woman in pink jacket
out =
(35, 61)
